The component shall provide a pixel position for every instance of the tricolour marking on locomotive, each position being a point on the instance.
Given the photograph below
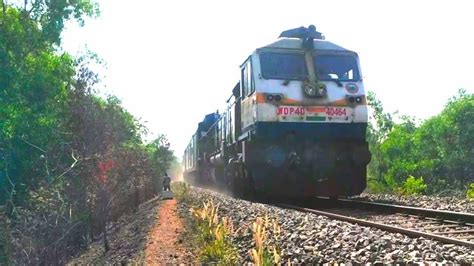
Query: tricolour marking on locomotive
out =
(314, 114)
(294, 126)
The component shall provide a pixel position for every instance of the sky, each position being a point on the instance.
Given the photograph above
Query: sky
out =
(172, 62)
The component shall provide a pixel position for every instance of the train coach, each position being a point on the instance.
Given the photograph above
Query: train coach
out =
(294, 126)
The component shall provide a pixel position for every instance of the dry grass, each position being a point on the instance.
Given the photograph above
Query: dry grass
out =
(263, 253)
(214, 235)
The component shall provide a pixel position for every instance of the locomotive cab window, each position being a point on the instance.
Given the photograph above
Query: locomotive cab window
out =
(286, 66)
(247, 80)
(336, 67)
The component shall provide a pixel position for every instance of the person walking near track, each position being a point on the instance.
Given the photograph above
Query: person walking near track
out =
(166, 182)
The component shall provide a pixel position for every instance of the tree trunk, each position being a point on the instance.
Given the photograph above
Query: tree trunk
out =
(103, 201)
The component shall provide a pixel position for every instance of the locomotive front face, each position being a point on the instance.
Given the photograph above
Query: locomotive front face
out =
(306, 114)
(286, 93)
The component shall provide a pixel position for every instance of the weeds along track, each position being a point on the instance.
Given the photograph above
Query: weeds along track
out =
(444, 226)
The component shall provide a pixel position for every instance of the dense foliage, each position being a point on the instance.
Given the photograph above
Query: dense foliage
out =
(439, 149)
(470, 191)
(70, 162)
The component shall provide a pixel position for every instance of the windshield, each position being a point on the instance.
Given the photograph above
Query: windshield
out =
(293, 67)
(283, 66)
(336, 67)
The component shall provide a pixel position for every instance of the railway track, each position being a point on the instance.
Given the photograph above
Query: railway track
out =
(444, 226)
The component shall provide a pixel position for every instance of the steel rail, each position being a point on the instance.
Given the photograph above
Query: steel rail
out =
(408, 232)
(441, 214)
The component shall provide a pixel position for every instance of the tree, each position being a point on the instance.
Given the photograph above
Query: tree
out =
(441, 148)
(70, 161)
(51, 16)
(447, 145)
(380, 125)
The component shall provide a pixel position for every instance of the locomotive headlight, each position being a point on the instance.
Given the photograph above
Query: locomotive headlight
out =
(317, 89)
(310, 90)
(322, 90)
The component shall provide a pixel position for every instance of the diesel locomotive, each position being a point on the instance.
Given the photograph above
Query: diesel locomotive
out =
(294, 126)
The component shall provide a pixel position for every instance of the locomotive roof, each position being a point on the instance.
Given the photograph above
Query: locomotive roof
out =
(293, 43)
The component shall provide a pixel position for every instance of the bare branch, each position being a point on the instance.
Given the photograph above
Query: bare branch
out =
(32, 145)
(75, 160)
(70, 167)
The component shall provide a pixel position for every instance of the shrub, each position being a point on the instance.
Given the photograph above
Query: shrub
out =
(180, 190)
(413, 186)
(470, 191)
(377, 187)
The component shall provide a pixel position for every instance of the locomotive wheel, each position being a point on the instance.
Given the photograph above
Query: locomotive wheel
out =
(238, 181)
(231, 172)
(248, 188)
(235, 181)
(218, 177)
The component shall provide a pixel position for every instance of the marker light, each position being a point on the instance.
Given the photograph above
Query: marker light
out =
(352, 88)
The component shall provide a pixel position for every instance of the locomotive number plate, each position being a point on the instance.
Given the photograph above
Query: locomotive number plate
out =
(291, 110)
(336, 111)
(314, 113)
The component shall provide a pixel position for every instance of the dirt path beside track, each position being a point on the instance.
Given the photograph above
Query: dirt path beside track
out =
(151, 236)
(164, 243)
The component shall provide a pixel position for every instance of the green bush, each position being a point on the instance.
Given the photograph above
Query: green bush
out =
(470, 191)
(413, 186)
(180, 190)
(376, 187)
(440, 148)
